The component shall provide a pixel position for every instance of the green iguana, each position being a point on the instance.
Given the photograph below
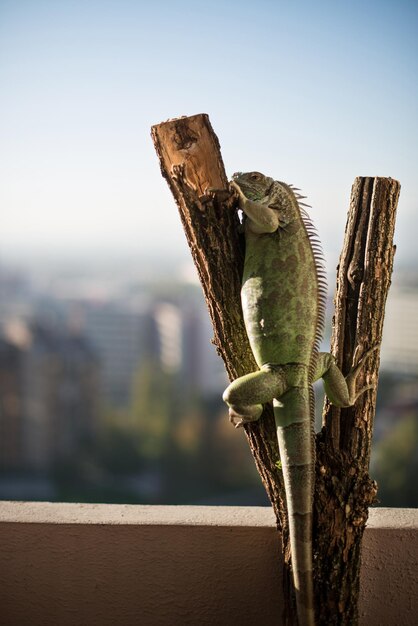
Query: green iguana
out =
(283, 301)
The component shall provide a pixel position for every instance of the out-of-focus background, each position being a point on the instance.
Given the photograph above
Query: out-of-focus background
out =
(110, 389)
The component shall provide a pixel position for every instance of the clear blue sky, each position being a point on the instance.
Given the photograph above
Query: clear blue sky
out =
(313, 93)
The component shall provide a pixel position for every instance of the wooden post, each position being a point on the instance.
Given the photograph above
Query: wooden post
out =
(191, 163)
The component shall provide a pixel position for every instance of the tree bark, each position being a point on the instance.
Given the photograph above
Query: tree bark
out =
(344, 490)
(191, 162)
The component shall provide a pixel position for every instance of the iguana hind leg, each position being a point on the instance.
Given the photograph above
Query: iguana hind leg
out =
(341, 390)
(246, 395)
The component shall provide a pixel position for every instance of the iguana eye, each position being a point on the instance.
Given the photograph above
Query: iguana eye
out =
(255, 176)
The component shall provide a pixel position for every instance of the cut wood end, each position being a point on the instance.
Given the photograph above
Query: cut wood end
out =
(378, 179)
(172, 120)
(188, 147)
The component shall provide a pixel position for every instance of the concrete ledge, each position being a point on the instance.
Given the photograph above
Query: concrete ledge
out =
(142, 515)
(79, 564)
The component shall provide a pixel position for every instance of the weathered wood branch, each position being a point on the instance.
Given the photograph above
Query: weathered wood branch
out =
(191, 163)
(344, 490)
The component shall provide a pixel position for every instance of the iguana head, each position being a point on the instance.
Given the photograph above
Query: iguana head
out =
(253, 185)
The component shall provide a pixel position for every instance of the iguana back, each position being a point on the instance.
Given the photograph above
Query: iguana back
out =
(283, 285)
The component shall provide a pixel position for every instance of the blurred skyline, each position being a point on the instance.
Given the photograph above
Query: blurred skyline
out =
(311, 93)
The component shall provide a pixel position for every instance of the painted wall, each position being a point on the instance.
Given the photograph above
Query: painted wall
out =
(75, 564)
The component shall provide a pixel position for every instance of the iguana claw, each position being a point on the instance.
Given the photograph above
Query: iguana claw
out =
(355, 371)
(238, 419)
(236, 424)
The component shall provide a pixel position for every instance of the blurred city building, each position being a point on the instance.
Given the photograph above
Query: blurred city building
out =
(184, 334)
(48, 395)
(66, 356)
(121, 337)
(400, 333)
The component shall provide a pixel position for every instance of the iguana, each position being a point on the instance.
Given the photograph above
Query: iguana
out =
(283, 301)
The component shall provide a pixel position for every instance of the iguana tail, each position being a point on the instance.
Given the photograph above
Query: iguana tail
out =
(295, 436)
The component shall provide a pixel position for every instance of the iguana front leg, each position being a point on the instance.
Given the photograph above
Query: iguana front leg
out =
(263, 218)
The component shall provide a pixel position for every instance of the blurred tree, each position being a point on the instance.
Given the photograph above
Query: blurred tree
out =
(154, 409)
(118, 451)
(395, 464)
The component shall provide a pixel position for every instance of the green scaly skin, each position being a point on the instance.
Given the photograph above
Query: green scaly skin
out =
(283, 302)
